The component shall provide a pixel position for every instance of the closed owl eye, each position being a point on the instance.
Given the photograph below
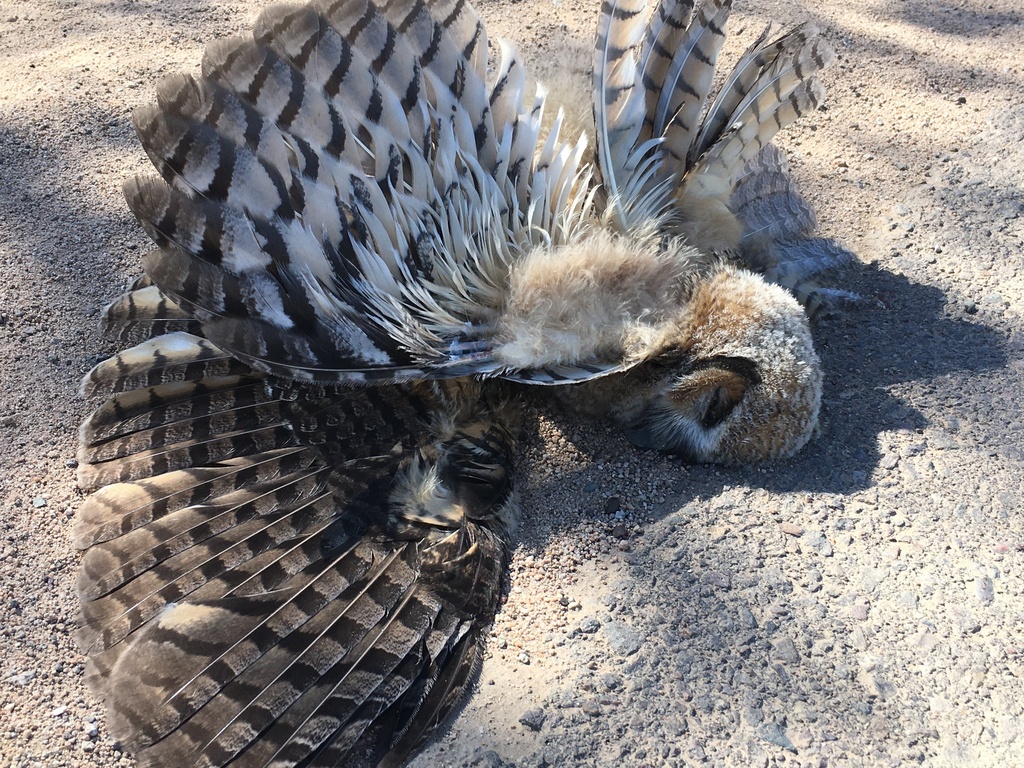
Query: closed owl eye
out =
(725, 381)
(709, 389)
(720, 405)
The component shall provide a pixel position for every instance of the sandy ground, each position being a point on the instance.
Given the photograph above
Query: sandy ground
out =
(859, 605)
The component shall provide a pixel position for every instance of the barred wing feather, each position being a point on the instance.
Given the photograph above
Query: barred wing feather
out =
(279, 573)
(341, 197)
(662, 74)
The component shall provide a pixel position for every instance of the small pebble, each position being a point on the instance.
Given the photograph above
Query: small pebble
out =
(816, 541)
(610, 681)
(622, 638)
(22, 678)
(774, 733)
(984, 590)
(785, 650)
(591, 707)
(791, 529)
(718, 579)
(533, 718)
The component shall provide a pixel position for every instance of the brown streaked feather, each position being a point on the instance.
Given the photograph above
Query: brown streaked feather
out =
(364, 100)
(688, 82)
(116, 509)
(450, 68)
(665, 30)
(618, 102)
(175, 357)
(144, 312)
(240, 600)
(127, 413)
(778, 85)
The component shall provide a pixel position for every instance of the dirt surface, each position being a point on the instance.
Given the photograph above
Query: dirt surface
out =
(859, 605)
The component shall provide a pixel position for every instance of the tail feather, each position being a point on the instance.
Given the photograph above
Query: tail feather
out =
(665, 29)
(696, 148)
(778, 85)
(619, 105)
(756, 126)
(687, 83)
(737, 85)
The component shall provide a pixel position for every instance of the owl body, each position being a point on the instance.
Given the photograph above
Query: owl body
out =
(609, 299)
(718, 365)
(302, 470)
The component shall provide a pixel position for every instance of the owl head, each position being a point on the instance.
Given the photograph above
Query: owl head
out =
(734, 378)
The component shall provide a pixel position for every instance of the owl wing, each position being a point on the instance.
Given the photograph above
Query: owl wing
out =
(664, 145)
(340, 197)
(282, 574)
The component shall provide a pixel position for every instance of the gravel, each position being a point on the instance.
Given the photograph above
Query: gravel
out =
(861, 604)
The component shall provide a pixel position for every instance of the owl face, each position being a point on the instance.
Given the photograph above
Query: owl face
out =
(739, 381)
(736, 378)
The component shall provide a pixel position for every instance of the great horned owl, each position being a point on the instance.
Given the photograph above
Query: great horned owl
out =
(304, 467)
